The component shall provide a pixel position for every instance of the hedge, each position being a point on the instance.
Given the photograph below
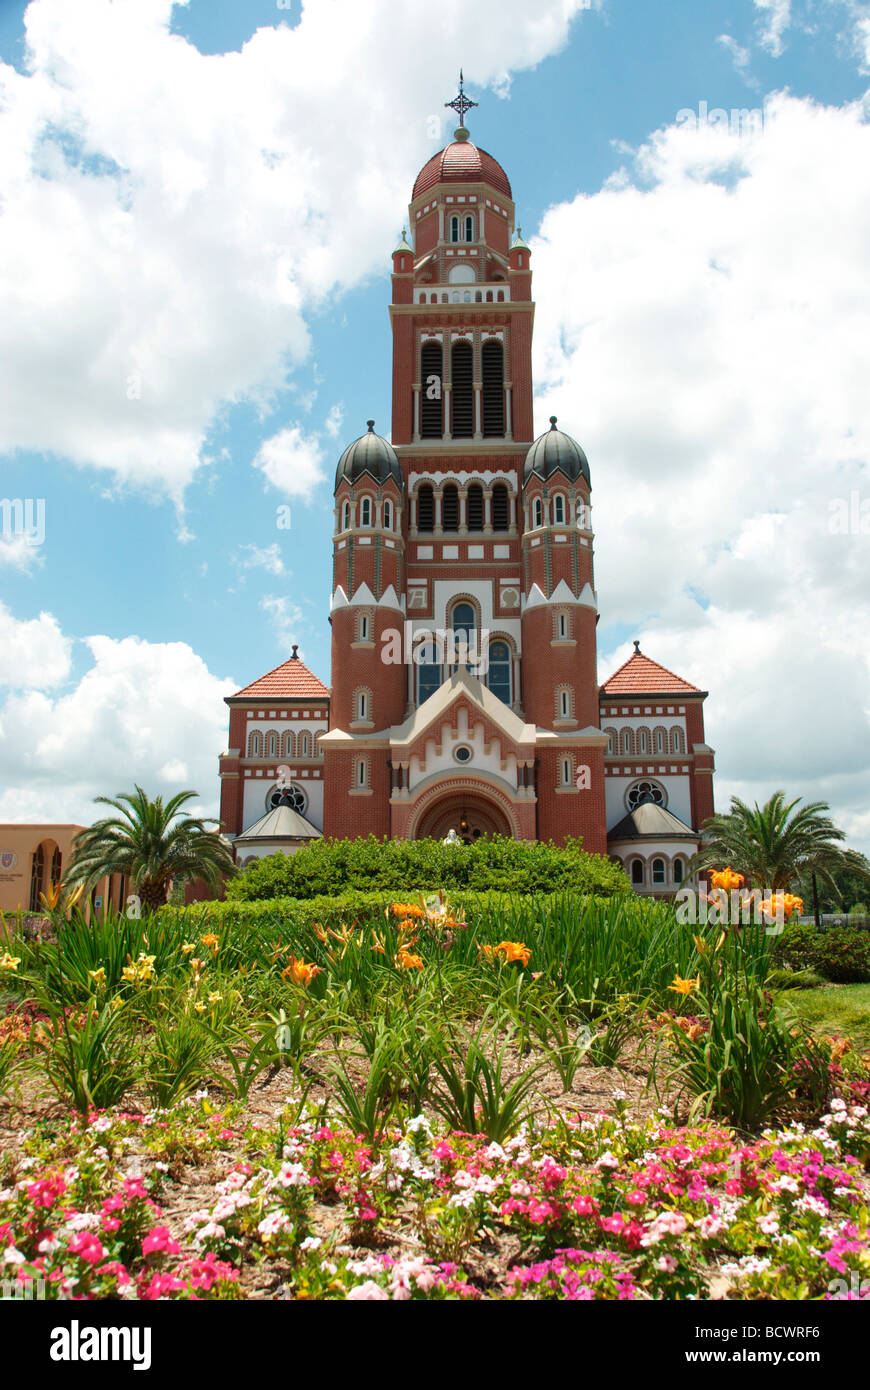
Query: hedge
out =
(282, 914)
(403, 867)
(840, 954)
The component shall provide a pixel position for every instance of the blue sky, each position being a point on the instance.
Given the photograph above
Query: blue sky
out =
(171, 536)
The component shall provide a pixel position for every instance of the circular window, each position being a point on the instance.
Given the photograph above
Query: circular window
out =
(463, 754)
(291, 796)
(641, 792)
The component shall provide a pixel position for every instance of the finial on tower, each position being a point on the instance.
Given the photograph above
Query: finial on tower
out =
(371, 425)
(294, 655)
(553, 419)
(637, 650)
(460, 104)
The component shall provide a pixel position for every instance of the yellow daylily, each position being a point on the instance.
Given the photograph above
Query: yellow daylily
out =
(98, 976)
(8, 962)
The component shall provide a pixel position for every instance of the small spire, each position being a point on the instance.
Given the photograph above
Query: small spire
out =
(553, 419)
(637, 650)
(371, 425)
(294, 655)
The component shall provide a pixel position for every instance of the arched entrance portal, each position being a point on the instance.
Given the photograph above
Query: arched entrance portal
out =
(472, 816)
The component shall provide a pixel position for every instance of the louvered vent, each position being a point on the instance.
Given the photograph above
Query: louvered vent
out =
(475, 507)
(450, 508)
(425, 508)
(462, 395)
(500, 508)
(492, 371)
(432, 393)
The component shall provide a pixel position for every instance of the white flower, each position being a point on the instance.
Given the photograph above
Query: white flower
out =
(311, 1243)
(273, 1223)
(11, 1256)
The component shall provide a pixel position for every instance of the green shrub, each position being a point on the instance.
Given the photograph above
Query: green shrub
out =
(794, 979)
(400, 867)
(841, 954)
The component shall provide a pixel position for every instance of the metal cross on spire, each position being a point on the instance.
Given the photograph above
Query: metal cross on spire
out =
(462, 103)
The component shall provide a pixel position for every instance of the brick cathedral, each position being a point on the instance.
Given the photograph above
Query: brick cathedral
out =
(464, 693)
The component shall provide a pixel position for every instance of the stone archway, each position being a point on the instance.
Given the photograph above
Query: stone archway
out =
(472, 814)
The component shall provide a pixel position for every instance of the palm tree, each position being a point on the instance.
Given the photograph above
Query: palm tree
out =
(774, 845)
(152, 844)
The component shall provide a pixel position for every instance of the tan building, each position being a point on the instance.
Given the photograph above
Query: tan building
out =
(33, 857)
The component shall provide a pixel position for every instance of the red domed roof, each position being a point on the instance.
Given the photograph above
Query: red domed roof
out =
(462, 162)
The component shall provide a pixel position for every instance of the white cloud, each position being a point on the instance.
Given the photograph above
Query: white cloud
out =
(285, 617)
(708, 346)
(137, 701)
(20, 553)
(739, 56)
(34, 654)
(774, 21)
(170, 219)
(334, 421)
(267, 557)
(292, 462)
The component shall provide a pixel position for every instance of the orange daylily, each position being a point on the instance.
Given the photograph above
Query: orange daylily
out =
(300, 972)
(209, 940)
(727, 879)
(405, 960)
(510, 951)
(407, 910)
(681, 986)
(784, 904)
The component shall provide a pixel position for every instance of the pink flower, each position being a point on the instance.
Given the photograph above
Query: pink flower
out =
(159, 1241)
(87, 1247)
(369, 1292)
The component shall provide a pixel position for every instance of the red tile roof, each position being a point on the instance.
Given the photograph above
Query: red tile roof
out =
(641, 676)
(462, 162)
(292, 680)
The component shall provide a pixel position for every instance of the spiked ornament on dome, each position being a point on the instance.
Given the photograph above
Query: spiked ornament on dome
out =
(403, 242)
(460, 104)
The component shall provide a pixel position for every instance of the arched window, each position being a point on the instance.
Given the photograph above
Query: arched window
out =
(558, 510)
(305, 744)
(661, 740)
(567, 773)
(501, 511)
(563, 702)
(363, 706)
(428, 661)
(626, 742)
(362, 772)
(365, 512)
(432, 394)
(611, 741)
(388, 515)
(289, 742)
(255, 745)
(537, 513)
(54, 876)
(475, 507)
(364, 628)
(643, 740)
(426, 508)
(500, 671)
(454, 229)
(462, 394)
(469, 229)
(492, 376)
(463, 624)
(658, 871)
(271, 744)
(450, 508)
(637, 872)
(345, 516)
(678, 871)
(677, 741)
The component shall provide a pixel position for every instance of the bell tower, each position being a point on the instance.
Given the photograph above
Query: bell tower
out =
(471, 538)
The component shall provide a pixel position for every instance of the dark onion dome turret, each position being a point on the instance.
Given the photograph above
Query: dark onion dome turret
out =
(554, 452)
(461, 162)
(372, 455)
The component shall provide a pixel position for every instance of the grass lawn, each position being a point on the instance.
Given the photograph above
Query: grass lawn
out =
(835, 1009)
